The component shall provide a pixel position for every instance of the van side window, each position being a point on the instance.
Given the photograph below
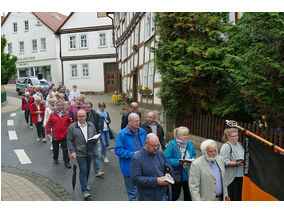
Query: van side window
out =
(25, 82)
(30, 82)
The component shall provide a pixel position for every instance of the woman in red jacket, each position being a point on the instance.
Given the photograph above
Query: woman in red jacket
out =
(37, 110)
(26, 102)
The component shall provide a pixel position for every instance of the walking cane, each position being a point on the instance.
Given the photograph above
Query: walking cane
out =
(74, 176)
(234, 124)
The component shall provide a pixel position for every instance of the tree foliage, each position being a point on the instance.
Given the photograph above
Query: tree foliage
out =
(8, 63)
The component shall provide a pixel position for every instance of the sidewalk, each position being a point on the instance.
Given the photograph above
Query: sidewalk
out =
(12, 104)
(16, 188)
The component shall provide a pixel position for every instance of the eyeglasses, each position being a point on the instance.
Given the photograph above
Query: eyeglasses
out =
(158, 145)
(234, 136)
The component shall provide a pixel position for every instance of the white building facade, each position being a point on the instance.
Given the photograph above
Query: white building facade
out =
(135, 35)
(87, 52)
(33, 39)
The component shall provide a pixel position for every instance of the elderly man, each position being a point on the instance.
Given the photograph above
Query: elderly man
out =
(148, 168)
(128, 141)
(207, 175)
(59, 121)
(26, 104)
(73, 94)
(151, 126)
(93, 117)
(133, 109)
(82, 149)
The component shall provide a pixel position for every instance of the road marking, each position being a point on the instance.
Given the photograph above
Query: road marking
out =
(23, 158)
(10, 122)
(12, 135)
(13, 114)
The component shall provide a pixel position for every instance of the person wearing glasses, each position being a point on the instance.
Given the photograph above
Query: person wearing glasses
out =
(128, 142)
(148, 168)
(179, 152)
(233, 155)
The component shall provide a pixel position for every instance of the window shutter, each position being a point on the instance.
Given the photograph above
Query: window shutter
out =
(145, 75)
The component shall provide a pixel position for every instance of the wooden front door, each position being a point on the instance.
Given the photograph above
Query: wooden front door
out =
(110, 76)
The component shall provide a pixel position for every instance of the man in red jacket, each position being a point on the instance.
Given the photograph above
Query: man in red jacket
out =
(26, 102)
(37, 110)
(59, 121)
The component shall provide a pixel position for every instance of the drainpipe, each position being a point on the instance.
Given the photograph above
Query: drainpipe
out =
(118, 87)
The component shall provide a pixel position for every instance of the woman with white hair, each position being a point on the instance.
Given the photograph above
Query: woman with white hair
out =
(26, 102)
(177, 152)
(48, 111)
(37, 111)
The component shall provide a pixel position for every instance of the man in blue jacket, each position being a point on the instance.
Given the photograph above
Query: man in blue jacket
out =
(148, 168)
(128, 142)
(133, 109)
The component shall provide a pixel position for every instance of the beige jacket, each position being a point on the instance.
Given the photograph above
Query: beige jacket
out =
(202, 183)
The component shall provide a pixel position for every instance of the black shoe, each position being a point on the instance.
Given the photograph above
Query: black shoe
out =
(55, 162)
(67, 165)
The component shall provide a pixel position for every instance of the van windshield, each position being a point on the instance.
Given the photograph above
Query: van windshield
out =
(35, 81)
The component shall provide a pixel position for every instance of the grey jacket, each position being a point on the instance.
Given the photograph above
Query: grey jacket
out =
(230, 154)
(76, 141)
(202, 182)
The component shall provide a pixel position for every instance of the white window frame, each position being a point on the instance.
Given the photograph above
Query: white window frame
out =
(20, 47)
(151, 75)
(71, 66)
(42, 39)
(81, 47)
(99, 39)
(10, 48)
(149, 25)
(26, 29)
(34, 50)
(15, 24)
(111, 39)
(75, 42)
(125, 50)
(85, 69)
(119, 52)
(145, 76)
(136, 39)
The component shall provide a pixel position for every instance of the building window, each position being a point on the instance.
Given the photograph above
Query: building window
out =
(85, 70)
(125, 48)
(26, 25)
(149, 25)
(83, 41)
(151, 76)
(34, 43)
(111, 38)
(15, 27)
(102, 39)
(72, 42)
(136, 40)
(74, 73)
(10, 48)
(22, 48)
(43, 43)
(101, 14)
(145, 75)
(119, 52)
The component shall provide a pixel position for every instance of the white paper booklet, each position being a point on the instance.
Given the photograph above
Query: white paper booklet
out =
(168, 179)
(94, 137)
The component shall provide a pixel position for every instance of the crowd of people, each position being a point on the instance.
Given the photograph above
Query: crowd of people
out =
(151, 169)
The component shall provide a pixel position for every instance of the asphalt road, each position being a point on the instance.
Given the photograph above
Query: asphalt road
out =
(109, 188)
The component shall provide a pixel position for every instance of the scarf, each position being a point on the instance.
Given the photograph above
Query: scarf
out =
(183, 153)
(102, 114)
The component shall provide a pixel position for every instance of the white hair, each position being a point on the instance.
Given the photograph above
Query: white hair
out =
(37, 98)
(27, 93)
(205, 144)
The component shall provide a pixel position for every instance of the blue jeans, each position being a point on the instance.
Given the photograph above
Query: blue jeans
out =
(104, 141)
(96, 157)
(84, 167)
(130, 188)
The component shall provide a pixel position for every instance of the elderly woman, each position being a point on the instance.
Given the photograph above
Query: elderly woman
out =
(48, 111)
(75, 108)
(37, 110)
(82, 99)
(233, 155)
(67, 110)
(177, 152)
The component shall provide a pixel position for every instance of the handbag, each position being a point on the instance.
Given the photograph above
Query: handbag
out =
(111, 136)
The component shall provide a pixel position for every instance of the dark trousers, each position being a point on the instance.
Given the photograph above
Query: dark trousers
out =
(28, 117)
(84, 167)
(235, 189)
(176, 189)
(40, 130)
(55, 144)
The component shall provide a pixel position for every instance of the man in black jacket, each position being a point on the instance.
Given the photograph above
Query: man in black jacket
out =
(93, 117)
(151, 126)
(133, 108)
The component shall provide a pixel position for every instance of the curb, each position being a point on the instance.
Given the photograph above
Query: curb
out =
(51, 188)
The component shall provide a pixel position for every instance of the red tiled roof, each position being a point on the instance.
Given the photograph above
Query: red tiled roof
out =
(51, 19)
(2, 19)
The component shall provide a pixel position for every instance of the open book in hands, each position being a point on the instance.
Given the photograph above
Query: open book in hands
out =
(186, 160)
(95, 137)
(168, 179)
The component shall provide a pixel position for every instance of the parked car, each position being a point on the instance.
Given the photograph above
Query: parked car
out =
(44, 82)
(23, 83)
